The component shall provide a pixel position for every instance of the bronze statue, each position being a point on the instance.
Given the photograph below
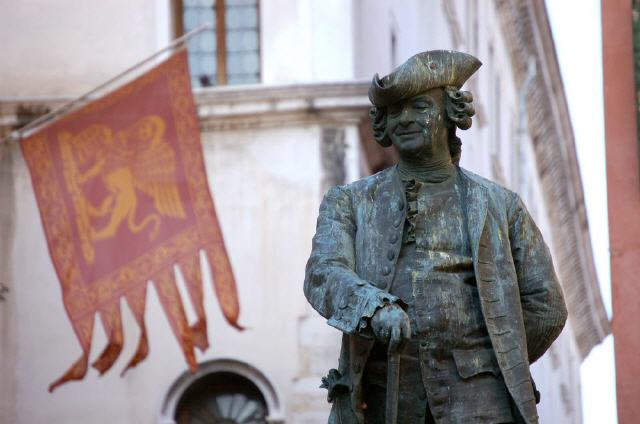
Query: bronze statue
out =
(438, 278)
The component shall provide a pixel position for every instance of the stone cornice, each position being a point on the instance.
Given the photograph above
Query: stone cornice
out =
(528, 35)
(251, 107)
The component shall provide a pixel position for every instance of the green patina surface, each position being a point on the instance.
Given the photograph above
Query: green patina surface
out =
(458, 272)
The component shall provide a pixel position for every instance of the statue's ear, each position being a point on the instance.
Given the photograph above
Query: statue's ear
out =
(379, 125)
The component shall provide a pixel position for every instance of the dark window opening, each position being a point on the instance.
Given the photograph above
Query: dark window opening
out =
(222, 398)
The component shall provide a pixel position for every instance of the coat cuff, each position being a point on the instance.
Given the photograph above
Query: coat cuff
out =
(354, 313)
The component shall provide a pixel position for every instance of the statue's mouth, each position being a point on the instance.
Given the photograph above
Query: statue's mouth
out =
(412, 132)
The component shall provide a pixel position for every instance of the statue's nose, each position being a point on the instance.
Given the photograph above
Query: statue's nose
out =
(406, 117)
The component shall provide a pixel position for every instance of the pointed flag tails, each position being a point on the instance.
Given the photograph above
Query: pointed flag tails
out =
(123, 198)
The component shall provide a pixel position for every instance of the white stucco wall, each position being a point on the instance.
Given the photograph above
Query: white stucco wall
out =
(306, 40)
(67, 47)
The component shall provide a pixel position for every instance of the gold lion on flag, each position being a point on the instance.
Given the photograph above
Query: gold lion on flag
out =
(136, 158)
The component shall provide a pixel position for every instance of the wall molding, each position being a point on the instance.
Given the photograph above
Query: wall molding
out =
(528, 35)
(247, 107)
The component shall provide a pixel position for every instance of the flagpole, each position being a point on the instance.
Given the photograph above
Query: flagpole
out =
(36, 123)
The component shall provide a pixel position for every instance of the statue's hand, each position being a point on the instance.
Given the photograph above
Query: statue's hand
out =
(391, 325)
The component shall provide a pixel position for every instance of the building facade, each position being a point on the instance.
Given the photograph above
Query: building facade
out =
(282, 101)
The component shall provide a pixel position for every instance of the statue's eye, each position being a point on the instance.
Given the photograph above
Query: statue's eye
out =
(422, 105)
(394, 111)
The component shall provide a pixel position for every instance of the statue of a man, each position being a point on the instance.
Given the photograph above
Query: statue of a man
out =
(434, 265)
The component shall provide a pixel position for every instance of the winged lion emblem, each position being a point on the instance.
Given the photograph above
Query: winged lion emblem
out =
(133, 160)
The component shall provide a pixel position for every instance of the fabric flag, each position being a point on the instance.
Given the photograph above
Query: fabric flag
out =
(123, 198)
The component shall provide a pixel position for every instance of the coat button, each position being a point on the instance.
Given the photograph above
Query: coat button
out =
(393, 238)
(400, 205)
(391, 255)
(397, 222)
(386, 270)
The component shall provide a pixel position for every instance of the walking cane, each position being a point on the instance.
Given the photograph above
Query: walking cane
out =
(393, 387)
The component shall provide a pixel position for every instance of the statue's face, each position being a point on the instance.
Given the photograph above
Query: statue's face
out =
(416, 126)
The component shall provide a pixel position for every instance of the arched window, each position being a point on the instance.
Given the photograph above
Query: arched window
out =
(222, 398)
(223, 391)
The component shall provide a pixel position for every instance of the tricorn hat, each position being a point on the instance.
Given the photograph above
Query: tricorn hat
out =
(421, 72)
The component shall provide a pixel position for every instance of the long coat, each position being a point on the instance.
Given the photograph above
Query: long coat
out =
(352, 264)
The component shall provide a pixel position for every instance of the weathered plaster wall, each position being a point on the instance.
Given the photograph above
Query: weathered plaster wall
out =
(299, 39)
(8, 305)
(67, 47)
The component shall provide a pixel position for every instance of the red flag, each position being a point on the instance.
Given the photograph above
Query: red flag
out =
(123, 197)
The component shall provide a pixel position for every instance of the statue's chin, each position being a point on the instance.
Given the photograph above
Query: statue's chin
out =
(412, 145)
